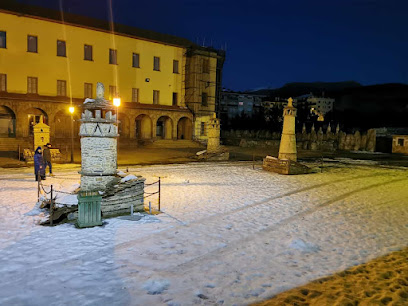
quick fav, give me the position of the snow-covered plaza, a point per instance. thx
(229, 234)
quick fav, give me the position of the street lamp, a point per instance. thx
(116, 102)
(72, 110)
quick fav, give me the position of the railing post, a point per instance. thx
(159, 192)
(39, 182)
(51, 208)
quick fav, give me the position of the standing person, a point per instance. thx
(47, 158)
(39, 167)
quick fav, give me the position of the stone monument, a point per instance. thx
(287, 147)
(99, 134)
(214, 150)
(286, 163)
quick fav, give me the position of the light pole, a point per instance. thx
(116, 102)
(72, 110)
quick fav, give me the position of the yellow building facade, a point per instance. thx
(168, 85)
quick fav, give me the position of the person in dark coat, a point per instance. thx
(39, 168)
(47, 158)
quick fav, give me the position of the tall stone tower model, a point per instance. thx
(99, 134)
(213, 132)
(287, 148)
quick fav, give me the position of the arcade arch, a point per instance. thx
(7, 122)
(185, 128)
(33, 117)
(164, 127)
(143, 126)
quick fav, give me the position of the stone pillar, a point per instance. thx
(371, 140)
(213, 132)
(287, 148)
(154, 128)
(357, 141)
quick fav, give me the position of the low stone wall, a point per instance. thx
(313, 140)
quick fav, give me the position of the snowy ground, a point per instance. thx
(229, 235)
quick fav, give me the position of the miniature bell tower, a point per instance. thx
(99, 133)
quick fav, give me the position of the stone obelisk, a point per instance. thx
(287, 148)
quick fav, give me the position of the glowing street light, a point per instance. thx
(116, 102)
(72, 110)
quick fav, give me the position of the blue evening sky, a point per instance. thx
(270, 43)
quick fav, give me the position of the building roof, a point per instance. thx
(11, 6)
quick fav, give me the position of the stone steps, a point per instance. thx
(11, 144)
(175, 144)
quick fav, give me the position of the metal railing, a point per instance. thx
(158, 192)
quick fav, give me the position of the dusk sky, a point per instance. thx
(270, 43)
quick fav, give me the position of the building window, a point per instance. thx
(87, 52)
(156, 63)
(61, 88)
(401, 142)
(113, 57)
(202, 129)
(3, 82)
(135, 94)
(61, 48)
(88, 90)
(204, 99)
(175, 66)
(32, 44)
(32, 85)
(3, 42)
(175, 98)
(113, 92)
(206, 65)
(135, 60)
(156, 96)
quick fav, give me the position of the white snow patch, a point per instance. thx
(156, 286)
(121, 173)
(303, 246)
(128, 178)
(89, 100)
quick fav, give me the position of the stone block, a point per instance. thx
(284, 166)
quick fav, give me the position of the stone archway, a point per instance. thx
(124, 130)
(62, 125)
(143, 129)
(34, 115)
(7, 122)
(185, 128)
(164, 128)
